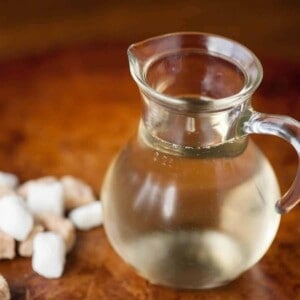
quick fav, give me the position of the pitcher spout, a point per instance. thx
(194, 72)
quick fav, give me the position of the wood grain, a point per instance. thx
(35, 26)
(69, 112)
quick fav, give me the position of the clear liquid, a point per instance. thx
(190, 222)
(186, 258)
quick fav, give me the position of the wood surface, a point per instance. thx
(34, 26)
(69, 112)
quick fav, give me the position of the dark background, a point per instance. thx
(270, 28)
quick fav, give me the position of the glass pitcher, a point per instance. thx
(191, 202)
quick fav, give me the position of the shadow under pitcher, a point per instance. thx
(190, 201)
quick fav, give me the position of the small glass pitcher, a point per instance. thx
(190, 201)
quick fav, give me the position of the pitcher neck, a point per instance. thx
(182, 132)
(196, 87)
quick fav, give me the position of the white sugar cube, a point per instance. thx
(23, 188)
(49, 254)
(8, 180)
(87, 216)
(45, 197)
(15, 219)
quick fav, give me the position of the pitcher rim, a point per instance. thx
(249, 87)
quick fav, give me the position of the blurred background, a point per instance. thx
(71, 55)
(27, 27)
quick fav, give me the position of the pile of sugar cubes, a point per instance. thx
(33, 220)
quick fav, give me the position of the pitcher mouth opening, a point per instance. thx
(194, 72)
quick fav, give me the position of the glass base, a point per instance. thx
(187, 259)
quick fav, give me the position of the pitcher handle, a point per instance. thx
(288, 129)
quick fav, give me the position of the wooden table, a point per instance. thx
(69, 112)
